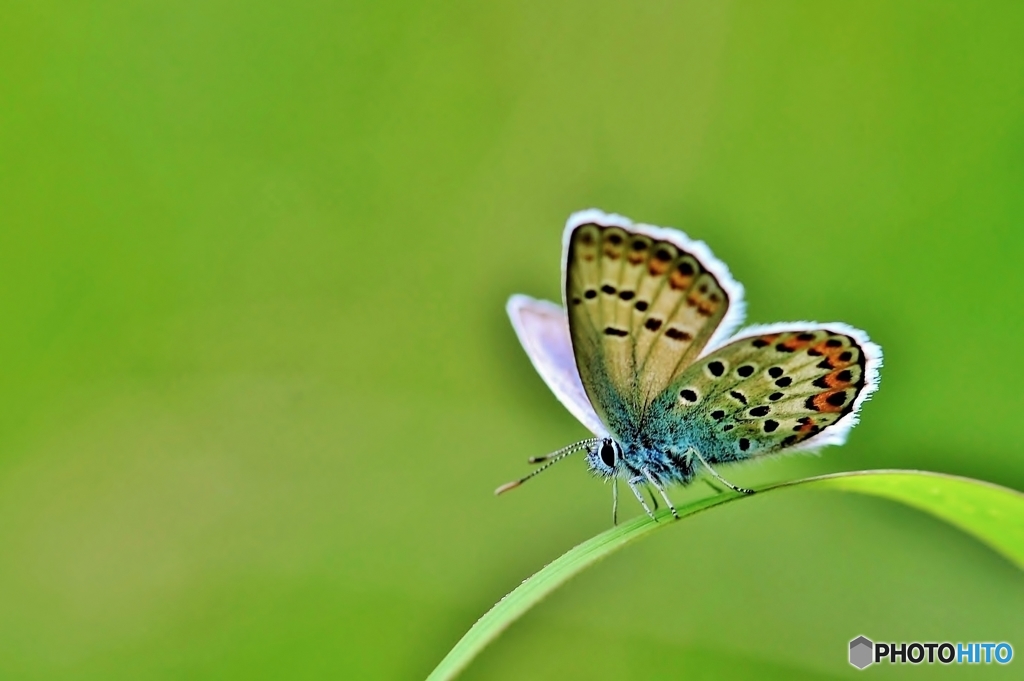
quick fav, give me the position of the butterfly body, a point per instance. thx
(659, 448)
(643, 354)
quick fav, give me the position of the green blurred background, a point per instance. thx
(258, 384)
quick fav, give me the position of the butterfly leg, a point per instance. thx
(654, 499)
(632, 482)
(661, 490)
(615, 500)
(718, 490)
(741, 490)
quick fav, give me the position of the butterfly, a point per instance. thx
(644, 355)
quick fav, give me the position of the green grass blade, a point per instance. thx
(992, 514)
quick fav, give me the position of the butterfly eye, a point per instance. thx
(608, 454)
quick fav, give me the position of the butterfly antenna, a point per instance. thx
(548, 460)
(564, 451)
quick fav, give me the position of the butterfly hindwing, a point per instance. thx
(642, 303)
(777, 388)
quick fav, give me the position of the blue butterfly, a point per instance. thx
(643, 354)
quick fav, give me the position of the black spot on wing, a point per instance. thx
(716, 368)
(837, 399)
(612, 331)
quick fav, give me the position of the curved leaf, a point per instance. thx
(992, 514)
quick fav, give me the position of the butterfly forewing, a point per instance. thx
(543, 329)
(774, 390)
(641, 309)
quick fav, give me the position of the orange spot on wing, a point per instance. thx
(793, 344)
(679, 281)
(832, 356)
(807, 426)
(704, 307)
(822, 404)
(657, 267)
(832, 380)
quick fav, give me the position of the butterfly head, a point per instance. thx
(603, 457)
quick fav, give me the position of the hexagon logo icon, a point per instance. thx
(861, 652)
